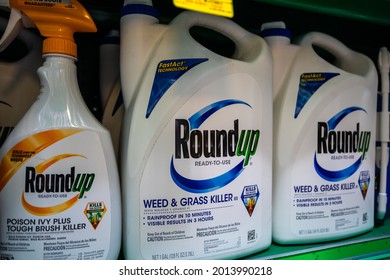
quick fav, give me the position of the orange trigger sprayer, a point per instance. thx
(57, 21)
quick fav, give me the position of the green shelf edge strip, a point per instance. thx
(373, 249)
(374, 244)
(376, 11)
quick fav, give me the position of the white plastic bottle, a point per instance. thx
(59, 189)
(197, 139)
(19, 81)
(110, 87)
(109, 64)
(383, 136)
(324, 139)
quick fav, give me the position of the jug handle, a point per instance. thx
(337, 48)
(32, 41)
(346, 59)
(244, 40)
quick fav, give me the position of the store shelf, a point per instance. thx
(372, 245)
(362, 25)
(376, 11)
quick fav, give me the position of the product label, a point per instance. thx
(309, 83)
(333, 175)
(167, 73)
(220, 8)
(48, 3)
(54, 197)
(205, 189)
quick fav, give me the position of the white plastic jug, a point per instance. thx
(324, 138)
(197, 139)
(19, 81)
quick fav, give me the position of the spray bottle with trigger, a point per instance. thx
(58, 169)
(384, 66)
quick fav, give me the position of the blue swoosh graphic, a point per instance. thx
(199, 117)
(336, 119)
(339, 175)
(206, 185)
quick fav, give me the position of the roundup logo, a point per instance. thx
(55, 185)
(331, 141)
(193, 143)
(40, 183)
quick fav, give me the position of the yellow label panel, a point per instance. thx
(215, 7)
